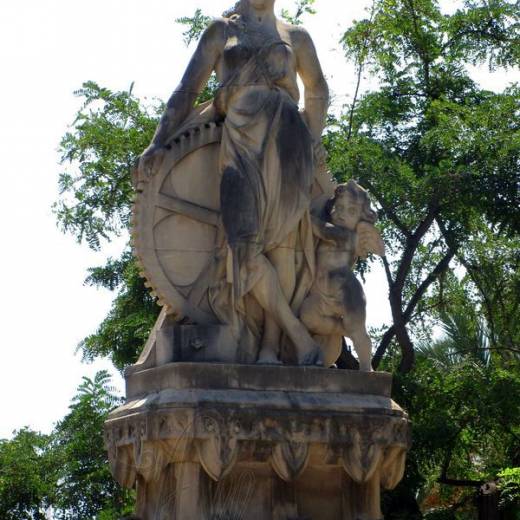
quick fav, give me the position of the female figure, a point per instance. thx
(266, 156)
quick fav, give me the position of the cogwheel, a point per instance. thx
(143, 208)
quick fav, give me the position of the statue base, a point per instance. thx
(215, 441)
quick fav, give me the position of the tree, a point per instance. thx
(125, 330)
(464, 403)
(509, 485)
(439, 154)
(108, 134)
(86, 488)
(27, 476)
(64, 475)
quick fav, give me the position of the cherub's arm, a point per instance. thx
(329, 232)
(368, 240)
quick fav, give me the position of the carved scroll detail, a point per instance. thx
(361, 458)
(393, 466)
(121, 462)
(289, 459)
(219, 450)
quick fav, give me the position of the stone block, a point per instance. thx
(207, 441)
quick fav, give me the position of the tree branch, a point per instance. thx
(423, 54)
(387, 338)
(440, 268)
(361, 66)
(388, 210)
(474, 276)
(411, 246)
(460, 483)
(388, 272)
(389, 335)
(443, 479)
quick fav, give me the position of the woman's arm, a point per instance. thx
(316, 88)
(183, 98)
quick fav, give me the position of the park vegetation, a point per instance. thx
(440, 157)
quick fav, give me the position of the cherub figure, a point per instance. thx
(336, 304)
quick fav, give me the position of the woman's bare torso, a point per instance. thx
(245, 40)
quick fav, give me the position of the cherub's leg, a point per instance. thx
(284, 262)
(355, 329)
(354, 320)
(270, 345)
(363, 347)
(317, 321)
(268, 292)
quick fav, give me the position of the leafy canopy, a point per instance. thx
(66, 473)
(439, 154)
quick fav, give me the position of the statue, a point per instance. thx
(336, 303)
(266, 167)
(231, 410)
(266, 172)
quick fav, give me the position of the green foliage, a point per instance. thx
(439, 154)
(302, 8)
(86, 486)
(67, 471)
(124, 331)
(27, 476)
(109, 132)
(509, 485)
(195, 26)
(464, 409)
(485, 31)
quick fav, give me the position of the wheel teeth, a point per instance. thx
(196, 136)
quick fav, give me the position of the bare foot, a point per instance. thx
(313, 357)
(268, 356)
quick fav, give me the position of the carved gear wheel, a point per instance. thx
(177, 232)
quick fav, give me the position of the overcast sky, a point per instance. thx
(47, 50)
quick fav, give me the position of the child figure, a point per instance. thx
(336, 304)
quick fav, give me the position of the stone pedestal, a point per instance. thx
(215, 441)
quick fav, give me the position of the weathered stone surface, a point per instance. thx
(249, 247)
(183, 376)
(222, 213)
(335, 305)
(248, 432)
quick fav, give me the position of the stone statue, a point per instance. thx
(336, 303)
(266, 167)
(249, 247)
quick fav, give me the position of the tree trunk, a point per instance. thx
(346, 360)
(487, 502)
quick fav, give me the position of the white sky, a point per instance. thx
(47, 50)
